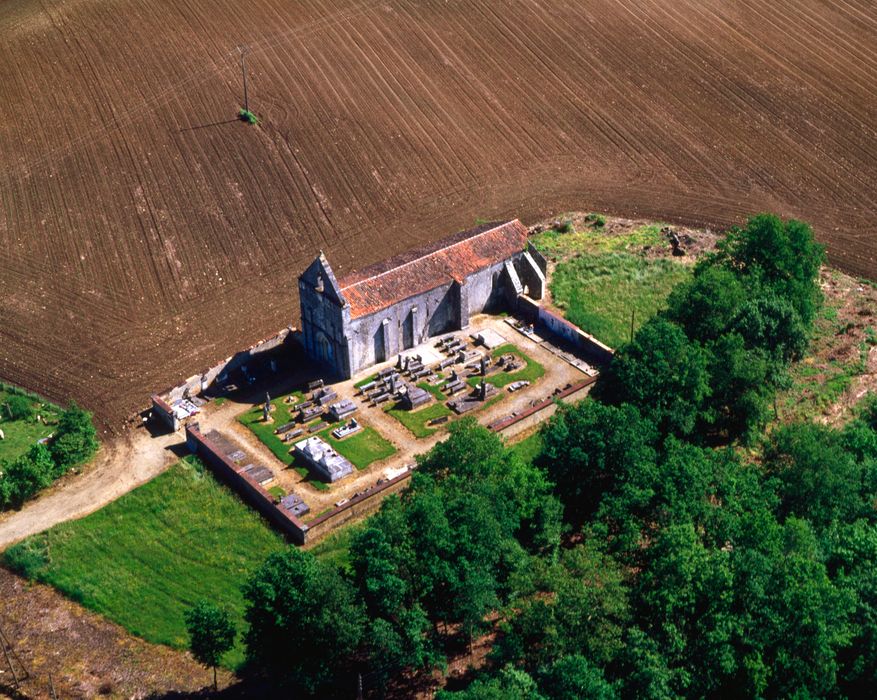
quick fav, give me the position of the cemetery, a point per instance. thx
(325, 420)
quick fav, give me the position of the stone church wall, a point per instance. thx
(437, 311)
(322, 322)
(485, 289)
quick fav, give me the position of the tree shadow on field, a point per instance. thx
(207, 126)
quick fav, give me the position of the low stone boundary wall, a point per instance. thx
(503, 423)
(539, 316)
(251, 491)
(363, 504)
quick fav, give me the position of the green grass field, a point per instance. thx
(145, 558)
(601, 278)
(20, 435)
(554, 244)
(598, 293)
(820, 380)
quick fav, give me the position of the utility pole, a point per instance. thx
(632, 317)
(244, 50)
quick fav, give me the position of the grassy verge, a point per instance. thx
(362, 382)
(20, 435)
(307, 477)
(416, 421)
(145, 558)
(528, 448)
(361, 449)
(599, 292)
(335, 548)
(833, 363)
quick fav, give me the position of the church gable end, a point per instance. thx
(320, 278)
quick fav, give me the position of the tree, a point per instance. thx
(25, 476)
(475, 458)
(382, 558)
(574, 677)
(817, 478)
(741, 389)
(304, 621)
(18, 407)
(509, 684)
(581, 609)
(644, 671)
(791, 619)
(588, 447)
(75, 439)
(781, 255)
(852, 558)
(662, 373)
(684, 600)
(401, 642)
(770, 324)
(707, 304)
(211, 634)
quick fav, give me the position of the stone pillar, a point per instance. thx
(415, 336)
(463, 304)
(385, 325)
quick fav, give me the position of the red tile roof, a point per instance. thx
(453, 258)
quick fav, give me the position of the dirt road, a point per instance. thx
(121, 465)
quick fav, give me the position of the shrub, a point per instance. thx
(75, 440)
(27, 558)
(18, 407)
(247, 116)
(564, 226)
(596, 220)
(24, 476)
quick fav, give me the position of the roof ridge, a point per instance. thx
(427, 255)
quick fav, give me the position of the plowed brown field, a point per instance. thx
(145, 233)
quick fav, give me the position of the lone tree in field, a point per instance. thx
(211, 634)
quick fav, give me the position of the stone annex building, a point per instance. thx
(372, 314)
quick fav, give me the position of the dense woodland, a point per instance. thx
(663, 544)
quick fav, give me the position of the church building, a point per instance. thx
(370, 315)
